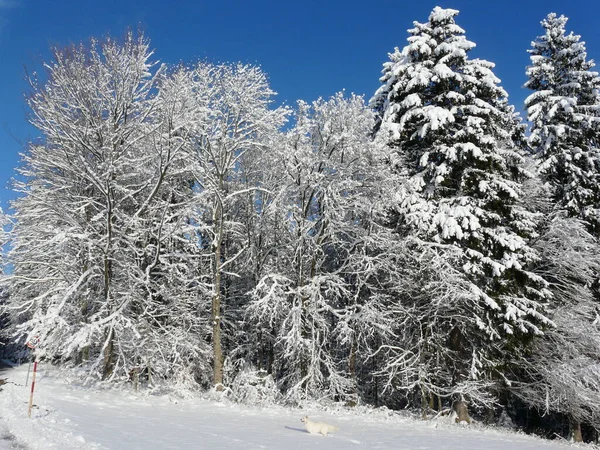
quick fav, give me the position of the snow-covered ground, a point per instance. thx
(69, 416)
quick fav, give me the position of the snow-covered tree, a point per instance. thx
(559, 374)
(564, 368)
(450, 131)
(4, 224)
(4, 323)
(305, 301)
(564, 111)
(233, 125)
(98, 211)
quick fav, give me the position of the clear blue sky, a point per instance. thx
(308, 48)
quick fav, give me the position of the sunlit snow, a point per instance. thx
(69, 416)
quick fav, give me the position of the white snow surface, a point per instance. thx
(70, 416)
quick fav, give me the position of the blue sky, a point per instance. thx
(308, 48)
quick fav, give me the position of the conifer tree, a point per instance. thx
(562, 375)
(564, 111)
(450, 131)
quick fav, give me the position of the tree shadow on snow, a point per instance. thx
(302, 430)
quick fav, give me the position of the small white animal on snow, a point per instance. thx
(318, 427)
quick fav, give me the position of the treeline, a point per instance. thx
(422, 251)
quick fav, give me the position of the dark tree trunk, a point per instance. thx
(109, 364)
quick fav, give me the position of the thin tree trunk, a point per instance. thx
(352, 372)
(216, 297)
(108, 365)
(374, 369)
(353, 401)
(305, 336)
(260, 351)
(303, 315)
(216, 321)
(271, 358)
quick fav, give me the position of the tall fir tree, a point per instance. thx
(564, 111)
(451, 134)
(562, 375)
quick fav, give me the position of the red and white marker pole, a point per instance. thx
(32, 388)
(31, 344)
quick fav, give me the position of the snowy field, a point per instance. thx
(74, 417)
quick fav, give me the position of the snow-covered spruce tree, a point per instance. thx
(97, 214)
(233, 125)
(564, 111)
(305, 301)
(449, 128)
(560, 373)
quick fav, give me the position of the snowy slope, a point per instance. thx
(74, 417)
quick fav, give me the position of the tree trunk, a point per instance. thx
(303, 315)
(216, 329)
(462, 411)
(352, 362)
(108, 356)
(456, 344)
(431, 401)
(217, 350)
(576, 431)
(108, 365)
(374, 370)
(424, 404)
(271, 359)
(83, 356)
(352, 372)
(216, 297)
(260, 357)
(490, 416)
(306, 337)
